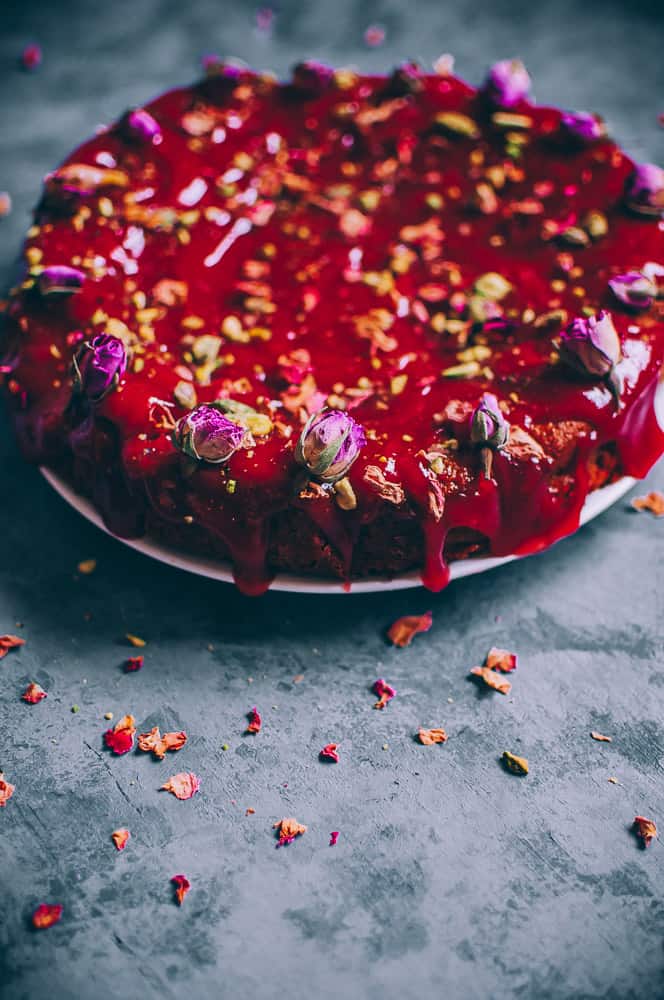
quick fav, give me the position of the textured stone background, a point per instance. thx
(450, 878)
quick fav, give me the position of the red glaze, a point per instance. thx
(298, 214)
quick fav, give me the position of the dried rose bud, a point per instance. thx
(644, 190)
(592, 346)
(634, 289)
(488, 426)
(508, 83)
(207, 435)
(312, 78)
(583, 127)
(60, 280)
(99, 366)
(329, 444)
(142, 125)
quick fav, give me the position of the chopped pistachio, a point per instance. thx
(469, 369)
(185, 395)
(492, 286)
(345, 495)
(511, 120)
(575, 236)
(596, 225)
(206, 348)
(457, 124)
(398, 384)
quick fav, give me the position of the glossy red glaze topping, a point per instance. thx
(326, 241)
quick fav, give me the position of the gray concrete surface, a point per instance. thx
(451, 878)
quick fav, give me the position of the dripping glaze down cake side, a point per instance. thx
(343, 325)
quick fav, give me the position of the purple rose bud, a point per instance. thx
(508, 83)
(312, 78)
(329, 444)
(592, 346)
(488, 426)
(583, 127)
(60, 280)
(99, 366)
(207, 435)
(142, 125)
(644, 190)
(634, 289)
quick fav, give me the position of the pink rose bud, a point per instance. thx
(634, 289)
(508, 83)
(207, 435)
(329, 444)
(142, 125)
(60, 280)
(592, 346)
(583, 127)
(644, 190)
(488, 426)
(99, 366)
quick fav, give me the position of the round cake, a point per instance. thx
(343, 325)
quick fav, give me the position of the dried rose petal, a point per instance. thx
(182, 887)
(384, 691)
(500, 659)
(120, 838)
(182, 786)
(645, 829)
(583, 127)
(600, 737)
(634, 289)
(33, 693)
(46, 915)
(403, 630)
(142, 125)
(154, 742)
(374, 35)
(430, 736)
(514, 764)
(133, 663)
(334, 836)
(653, 502)
(288, 830)
(31, 56)
(329, 752)
(8, 642)
(6, 790)
(255, 721)
(492, 679)
(5, 204)
(508, 83)
(120, 739)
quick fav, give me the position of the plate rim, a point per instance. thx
(596, 503)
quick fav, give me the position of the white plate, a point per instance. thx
(216, 570)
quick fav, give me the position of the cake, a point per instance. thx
(343, 325)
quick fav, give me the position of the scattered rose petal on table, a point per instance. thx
(31, 56)
(430, 736)
(645, 829)
(5, 204)
(8, 642)
(288, 830)
(135, 640)
(600, 737)
(334, 836)
(33, 693)
(154, 742)
(182, 886)
(120, 739)
(384, 691)
(492, 679)
(183, 785)
(6, 790)
(402, 631)
(132, 664)
(46, 915)
(87, 566)
(255, 722)
(652, 502)
(120, 838)
(500, 659)
(329, 753)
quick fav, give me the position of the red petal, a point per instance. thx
(46, 915)
(120, 838)
(182, 887)
(402, 631)
(33, 693)
(183, 785)
(255, 721)
(8, 642)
